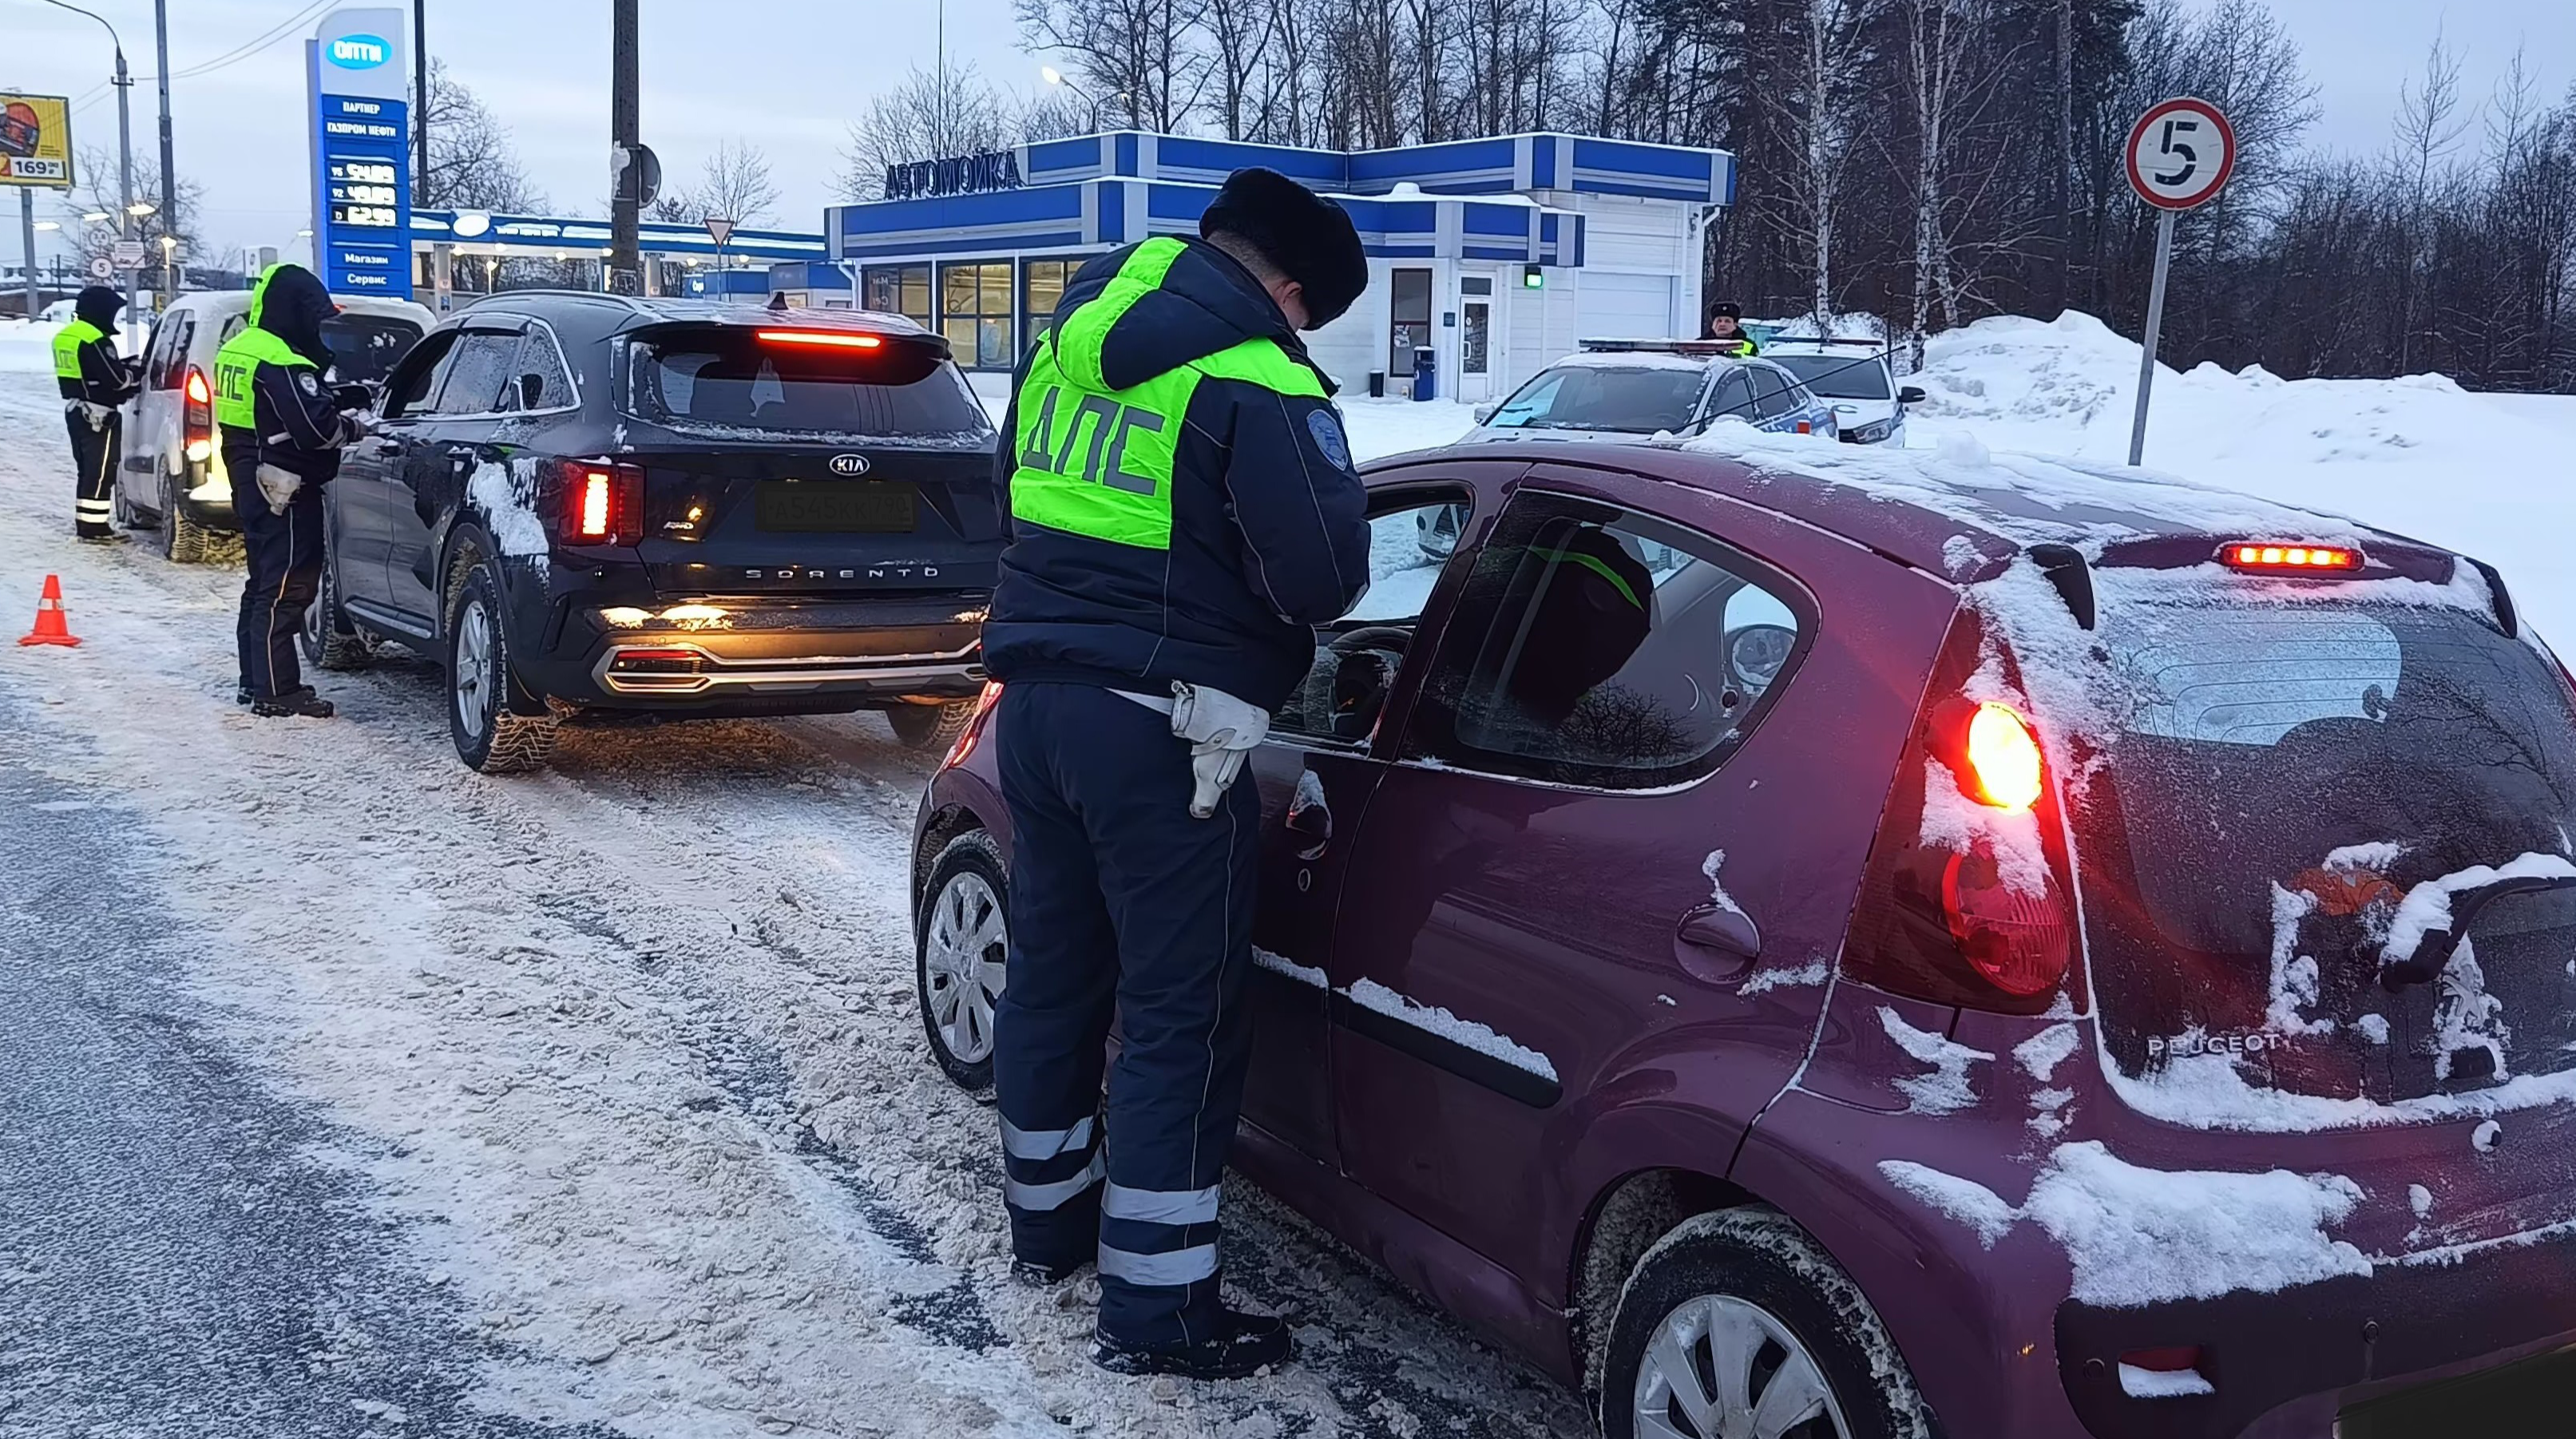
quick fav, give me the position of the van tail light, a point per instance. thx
(196, 417)
(973, 734)
(602, 503)
(1965, 901)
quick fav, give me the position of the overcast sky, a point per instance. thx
(787, 76)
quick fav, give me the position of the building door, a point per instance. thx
(1475, 350)
(1408, 325)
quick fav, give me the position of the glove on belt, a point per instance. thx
(279, 485)
(96, 415)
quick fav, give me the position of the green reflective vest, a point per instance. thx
(240, 357)
(1097, 462)
(67, 347)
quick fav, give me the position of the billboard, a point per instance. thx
(357, 74)
(35, 141)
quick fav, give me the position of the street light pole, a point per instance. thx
(1054, 76)
(27, 230)
(169, 172)
(625, 246)
(419, 97)
(124, 150)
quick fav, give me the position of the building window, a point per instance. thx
(975, 313)
(898, 290)
(1408, 318)
(1042, 285)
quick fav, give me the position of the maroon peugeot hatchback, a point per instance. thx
(1811, 943)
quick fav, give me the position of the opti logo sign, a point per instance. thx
(359, 52)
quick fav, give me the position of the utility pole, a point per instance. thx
(169, 172)
(625, 258)
(419, 97)
(27, 230)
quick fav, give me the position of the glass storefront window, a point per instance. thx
(975, 313)
(1042, 285)
(898, 290)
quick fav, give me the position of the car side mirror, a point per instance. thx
(1910, 395)
(532, 388)
(1486, 412)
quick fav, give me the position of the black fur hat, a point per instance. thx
(1311, 239)
(98, 304)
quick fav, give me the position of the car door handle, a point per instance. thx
(1311, 820)
(1721, 928)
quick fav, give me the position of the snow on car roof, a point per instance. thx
(1634, 360)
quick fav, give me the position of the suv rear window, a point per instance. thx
(726, 378)
(365, 347)
(1637, 401)
(2281, 777)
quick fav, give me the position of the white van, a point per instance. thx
(174, 473)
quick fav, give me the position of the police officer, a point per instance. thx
(1726, 325)
(1183, 511)
(94, 383)
(282, 430)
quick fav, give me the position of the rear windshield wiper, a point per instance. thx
(2433, 951)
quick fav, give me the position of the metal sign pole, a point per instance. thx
(27, 229)
(2155, 327)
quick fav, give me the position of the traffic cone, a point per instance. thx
(50, 629)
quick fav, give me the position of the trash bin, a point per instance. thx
(1425, 371)
(1377, 384)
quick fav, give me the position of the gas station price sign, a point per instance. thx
(355, 72)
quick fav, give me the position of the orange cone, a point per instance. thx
(50, 629)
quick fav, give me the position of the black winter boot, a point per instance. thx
(302, 703)
(1250, 1343)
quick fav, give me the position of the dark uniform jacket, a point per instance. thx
(1269, 535)
(298, 428)
(103, 379)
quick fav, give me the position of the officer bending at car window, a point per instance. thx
(1184, 512)
(94, 383)
(282, 430)
(1726, 323)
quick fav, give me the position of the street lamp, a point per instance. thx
(124, 146)
(141, 208)
(1054, 76)
(97, 217)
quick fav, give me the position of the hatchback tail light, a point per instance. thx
(602, 503)
(1965, 901)
(973, 734)
(196, 417)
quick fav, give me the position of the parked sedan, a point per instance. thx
(668, 509)
(1856, 378)
(1852, 947)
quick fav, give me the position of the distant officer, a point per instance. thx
(282, 433)
(1183, 511)
(1726, 323)
(94, 383)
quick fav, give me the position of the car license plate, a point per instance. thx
(871, 507)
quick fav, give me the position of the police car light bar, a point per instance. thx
(1666, 347)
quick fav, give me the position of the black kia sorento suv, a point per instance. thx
(589, 504)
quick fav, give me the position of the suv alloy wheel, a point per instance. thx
(486, 715)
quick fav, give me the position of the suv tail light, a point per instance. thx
(196, 417)
(602, 503)
(973, 734)
(1966, 901)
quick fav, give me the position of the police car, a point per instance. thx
(1616, 389)
(1855, 378)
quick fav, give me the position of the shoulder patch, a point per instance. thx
(311, 385)
(1326, 428)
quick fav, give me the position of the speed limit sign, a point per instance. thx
(2180, 154)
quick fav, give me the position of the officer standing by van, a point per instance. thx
(282, 431)
(1183, 512)
(94, 382)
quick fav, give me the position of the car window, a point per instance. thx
(1598, 646)
(1412, 534)
(1772, 396)
(417, 378)
(169, 353)
(1640, 400)
(1841, 377)
(367, 347)
(1734, 396)
(478, 372)
(734, 380)
(233, 325)
(541, 383)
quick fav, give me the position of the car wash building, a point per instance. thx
(1496, 255)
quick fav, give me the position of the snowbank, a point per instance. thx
(27, 348)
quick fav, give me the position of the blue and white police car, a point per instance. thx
(1854, 377)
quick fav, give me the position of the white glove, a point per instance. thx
(279, 486)
(359, 423)
(1221, 730)
(95, 414)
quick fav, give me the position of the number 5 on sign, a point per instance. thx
(2180, 155)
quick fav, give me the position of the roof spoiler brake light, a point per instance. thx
(2284, 558)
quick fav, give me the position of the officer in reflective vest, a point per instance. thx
(94, 382)
(281, 430)
(1183, 513)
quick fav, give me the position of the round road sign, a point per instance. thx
(101, 269)
(2181, 154)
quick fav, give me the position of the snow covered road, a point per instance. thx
(593, 1101)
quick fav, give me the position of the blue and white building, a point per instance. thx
(1498, 254)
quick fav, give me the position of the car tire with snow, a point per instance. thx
(926, 727)
(498, 725)
(962, 940)
(328, 640)
(1745, 1298)
(184, 541)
